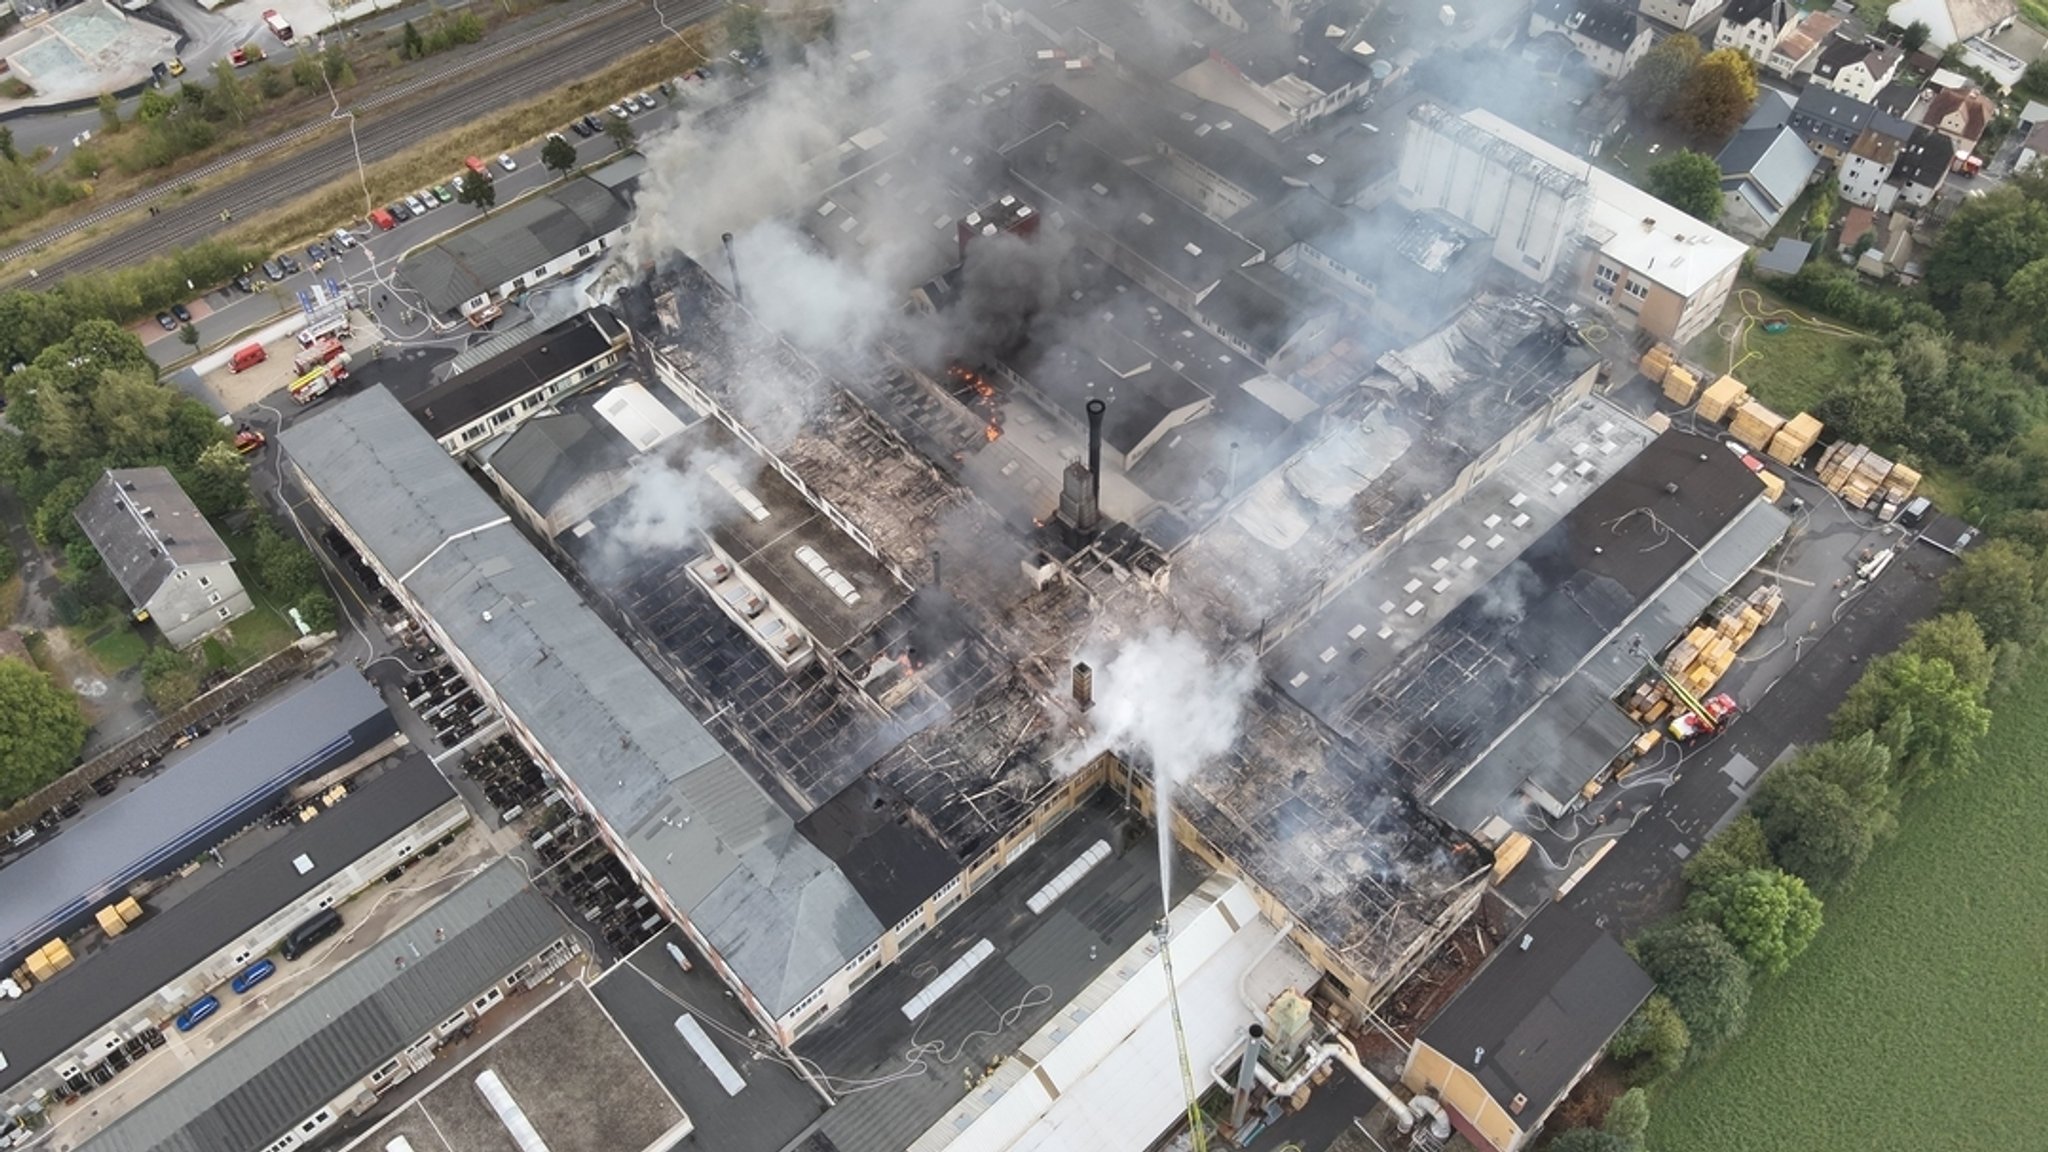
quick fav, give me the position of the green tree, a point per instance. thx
(1735, 849)
(558, 154)
(1822, 813)
(229, 98)
(743, 28)
(621, 130)
(1655, 82)
(1703, 976)
(1989, 239)
(1914, 36)
(1653, 1043)
(219, 480)
(1689, 182)
(1996, 584)
(169, 678)
(154, 106)
(1588, 1140)
(1717, 94)
(1867, 405)
(306, 71)
(415, 45)
(1956, 638)
(188, 335)
(110, 113)
(1919, 707)
(7, 151)
(478, 192)
(283, 565)
(317, 610)
(1629, 1116)
(41, 730)
(1769, 915)
(334, 65)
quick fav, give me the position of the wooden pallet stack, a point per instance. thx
(1794, 440)
(1900, 485)
(1658, 361)
(1755, 425)
(1705, 654)
(1722, 397)
(1680, 385)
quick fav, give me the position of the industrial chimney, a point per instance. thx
(1095, 410)
(1247, 1077)
(1084, 686)
(732, 262)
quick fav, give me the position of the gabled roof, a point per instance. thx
(145, 528)
(1808, 35)
(1924, 161)
(1609, 24)
(1772, 109)
(307, 1051)
(1740, 12)
(1774, 162)
(1826, 116)
(1842, 52)
(1976, 111)
(515, 363)
(1877, 147)
(1533, 1017)
(783, 916)
(512, 242)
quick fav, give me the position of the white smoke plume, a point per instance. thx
(1163, 700)
(673, 502)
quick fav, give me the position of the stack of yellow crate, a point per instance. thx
(1680, 386)
(1794, 440)
(1706, 653)
(1722, 397)
(1899, 486)
(1657, 361)
(1754, 425)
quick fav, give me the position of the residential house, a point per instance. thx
(1897, 97)
(2032, 115)
(489, 389)
(1753, 27)
(1533, 1021)
(1867, 165)
(2034, 148)
(1918, 174)
(1773, 109)
(1606, 33)
(1828, 121)
(162, 552)
(1856, 68)
(1285, 77)
(2004, 68)
(1681, 15)
(1953, 21)
(1961, 114)
(1798, 50)
(1763, 171)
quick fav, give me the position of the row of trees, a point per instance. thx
(1706, 94)
(444, 32)
(169, 125)
(1754, 891)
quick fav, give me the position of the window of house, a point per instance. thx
(221, 612)
(181, 574)
(1638, 289)
(1605, 275)
(213, 597)
(206, 581)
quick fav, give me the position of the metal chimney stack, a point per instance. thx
(1095, 410)
(732, 262)
(1084, 686)
(1247, 1077)
(936, 581)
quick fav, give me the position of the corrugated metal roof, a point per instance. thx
(783, 916)
(178, 812)
(121, 980)
(306, 1053)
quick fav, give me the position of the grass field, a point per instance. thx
(1925, 987)
(119, 647)
(1789, 371)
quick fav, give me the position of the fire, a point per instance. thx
(992, 432)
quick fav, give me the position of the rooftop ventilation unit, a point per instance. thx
(955, 972)
(1068, 877)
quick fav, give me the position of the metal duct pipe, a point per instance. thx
(936, 581)
(1095, 410)
(1439, 1120)
(1247, 1076)
(1340, 1050)
(732, 262)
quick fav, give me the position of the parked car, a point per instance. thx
(183, 313)
(343, 238)
(590, 121)
(176, 67)
(427, 199)
(506, 162)
(399, 210)
(442, 194)
(200, 1010)
(273, 270)
(647, 102)
(413, 205)
(289, 262)
(617, 111)
(165, 322)
(253, 975)
(243, 282)
(316, 252)
(580, 129)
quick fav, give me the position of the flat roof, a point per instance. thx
(989, 1013)
(604, 1100)
(782, 915)
(120, 978)
(201, 791)
(304, 1053)
(1534, 1017)
(452, 402)
(873, 833)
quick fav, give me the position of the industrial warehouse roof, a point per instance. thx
(120, 978)
(531, 359)
(145, 528)
(783, 917)
(1532, 1018)
(285, 1069)
(520, 238)
(201, 790)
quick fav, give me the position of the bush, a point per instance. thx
(169, 678)
(1824, 287)
(1704, 977)
(41, 730)
(1653, 1044)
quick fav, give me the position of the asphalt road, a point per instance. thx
(500, 75)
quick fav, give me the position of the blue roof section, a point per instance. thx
(201, 792)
